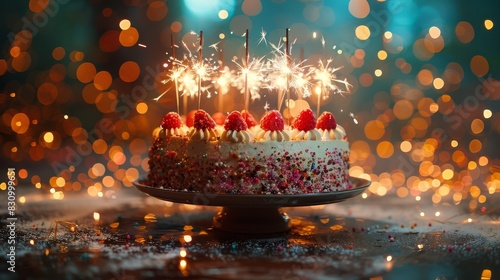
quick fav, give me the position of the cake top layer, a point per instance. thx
(242, 127)
(326, 121)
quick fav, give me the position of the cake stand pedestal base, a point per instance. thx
(250, 220)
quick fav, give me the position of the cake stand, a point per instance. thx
(253, 214)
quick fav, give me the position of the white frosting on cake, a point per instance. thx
(173, 132)
(312, 135)
(253, 167)
(276, 135)
(225, 150)
(333, 134)
(237, 136)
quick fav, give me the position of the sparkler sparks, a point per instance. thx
(189, 74)
(262, 37)
(278, 72)
(224, 80)
(353, 118)
(215, 46)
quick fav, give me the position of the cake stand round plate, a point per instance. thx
(253, 213)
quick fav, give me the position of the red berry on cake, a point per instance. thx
(235, 121)
(305, 121)
(219, 118)
(171, 120)
(190, 118)
(202, 120)
(249, 119)
(326, 121)
(272, 121)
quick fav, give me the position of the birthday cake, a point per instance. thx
(243, 157)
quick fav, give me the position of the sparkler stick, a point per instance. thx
(319, 92)
(281, 93)
(200, 56)
(221, 67)
(246, 96)
(288, 67)
(299, 91)
(185, 104)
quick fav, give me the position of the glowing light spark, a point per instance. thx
(266, 106)
(97, 216)
(284, 74)
(186, 47)
(353, 118)
(162, 94)
(323, 42)
(186, 72)
(142, 45)
(262, 37)
(325, 75)
(215, 46)
(255, 74)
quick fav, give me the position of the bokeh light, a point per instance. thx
(488, 24)
(363, 32)
(125, 24)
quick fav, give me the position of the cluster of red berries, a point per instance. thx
(271, 121)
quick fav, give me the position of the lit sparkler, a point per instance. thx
(284, 73)
(215, 46)
(255, 74)
(175, 73)
(262, 37)
(326, 81)
(250, 76)
(200, 69)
